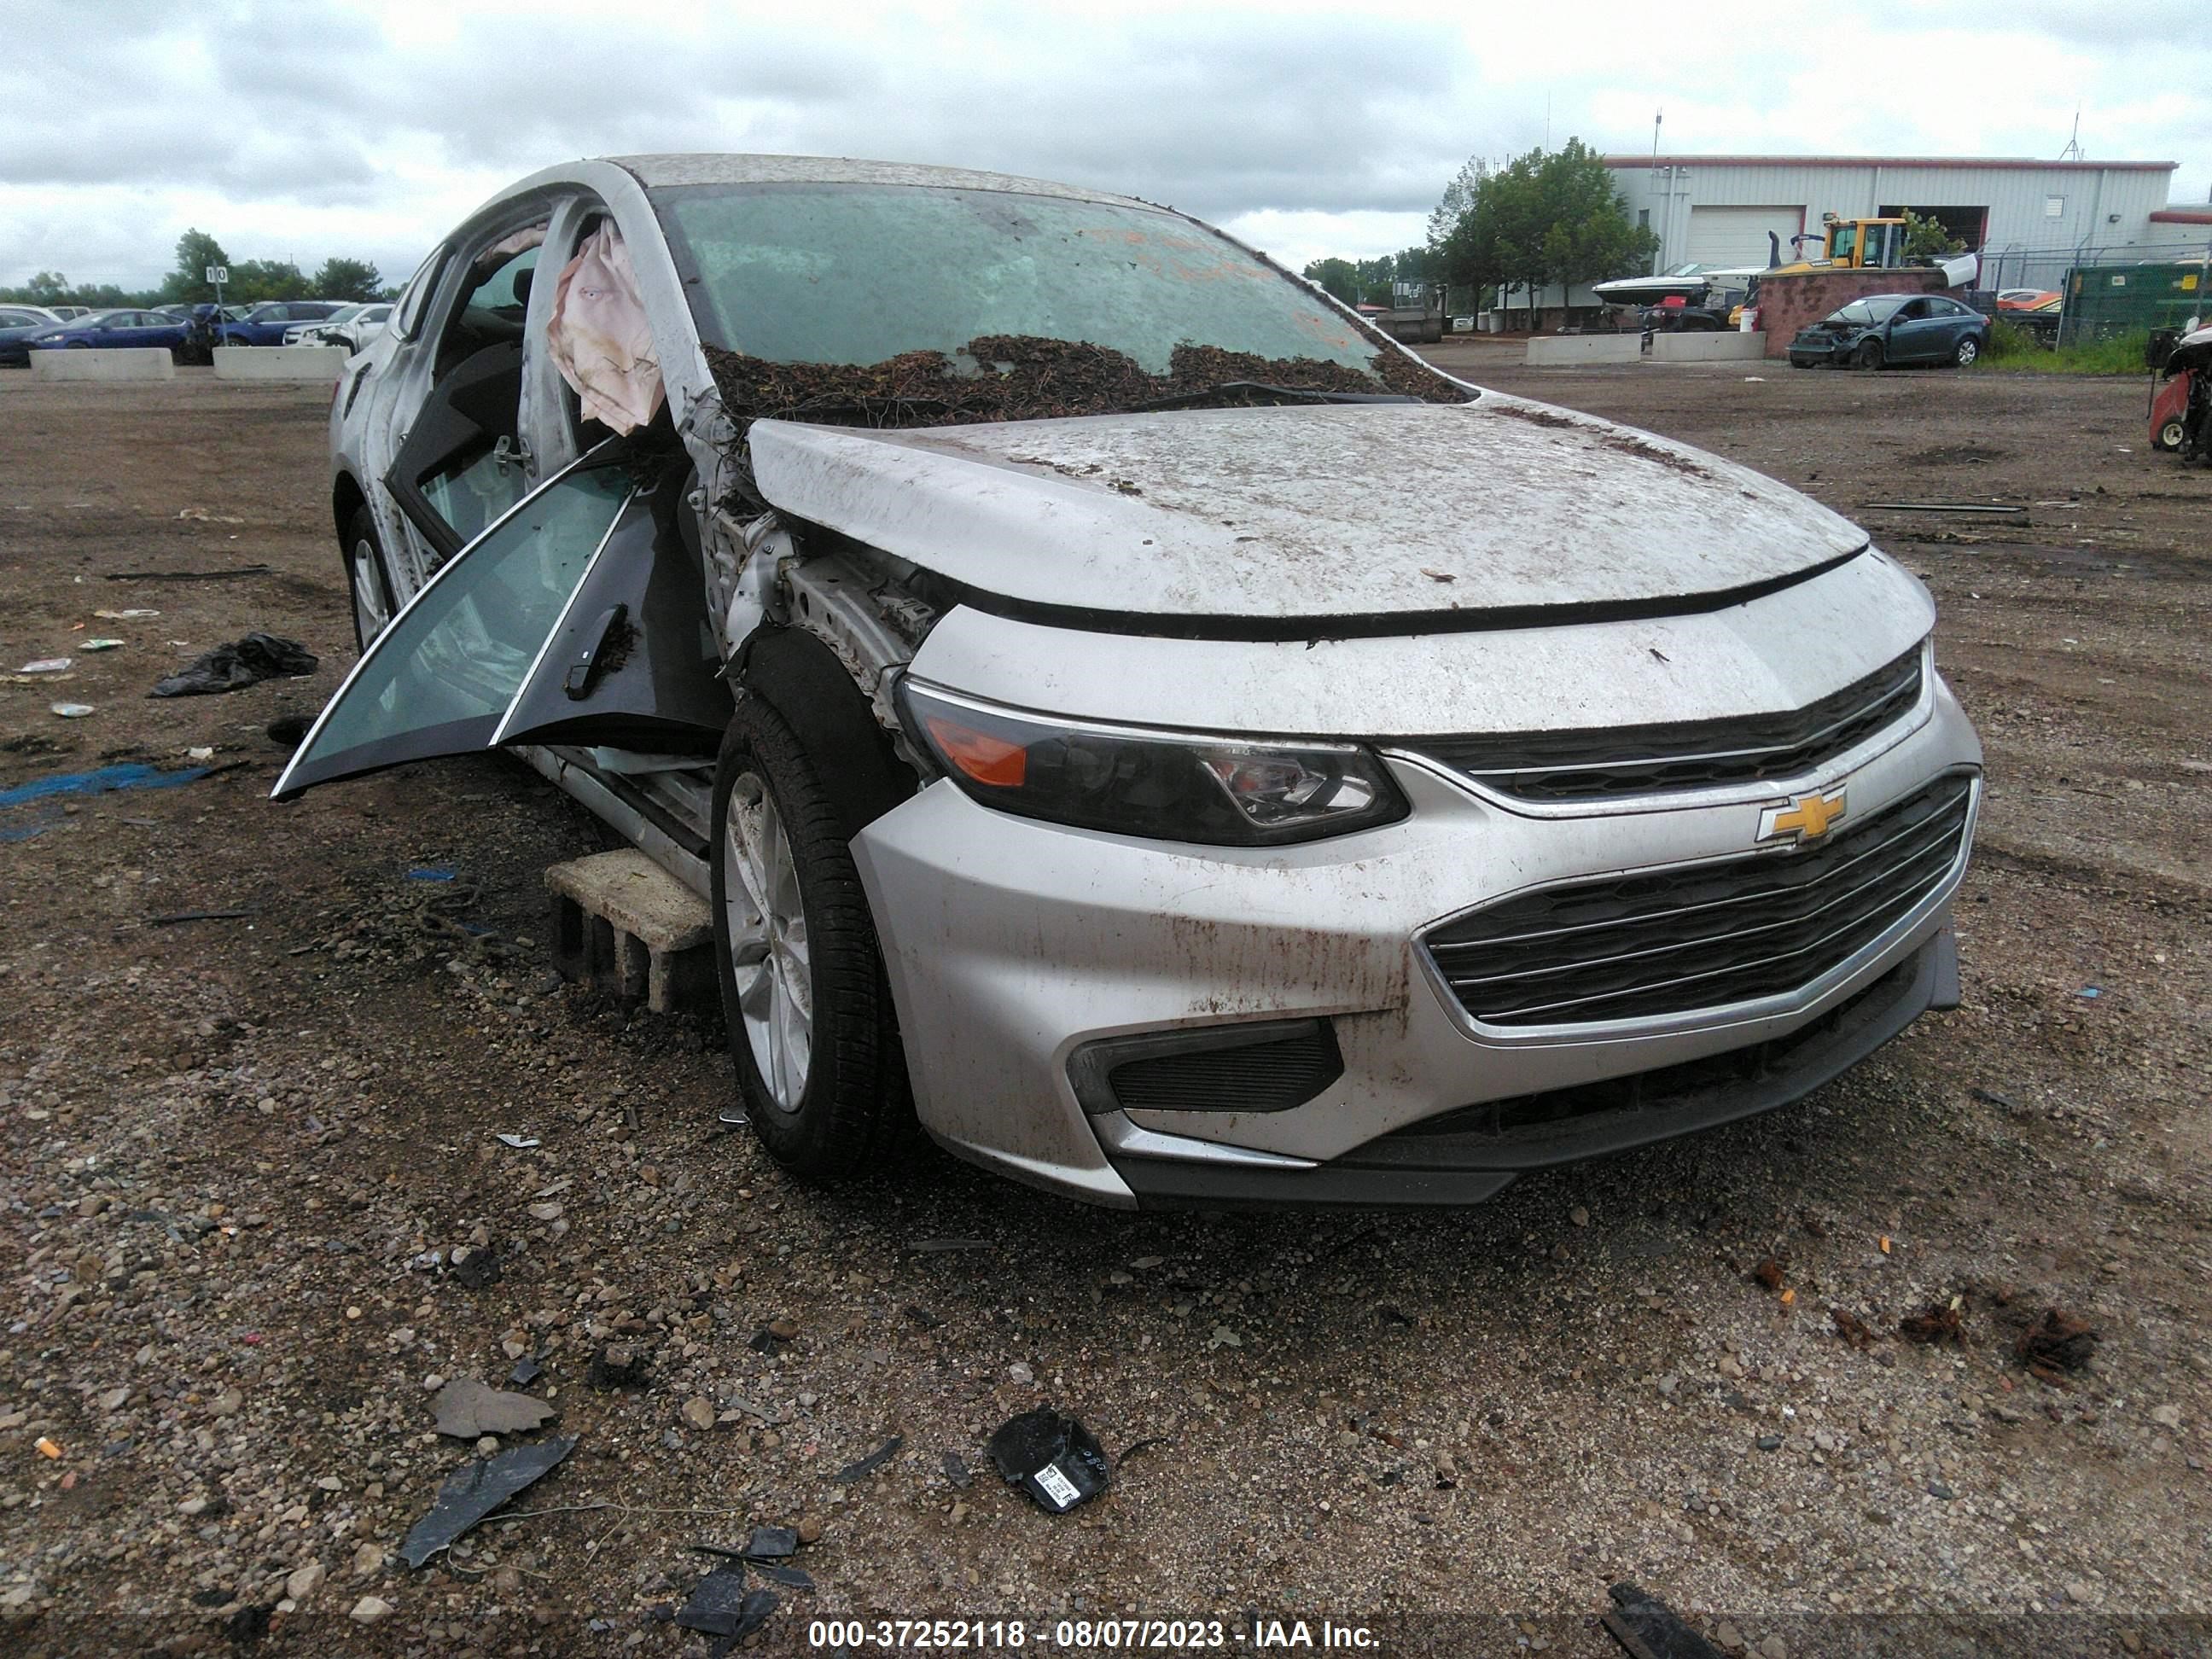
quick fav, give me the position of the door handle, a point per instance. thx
(585, 669)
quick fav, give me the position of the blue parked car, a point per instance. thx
(17, 324)
(116, 328)
(265, 324)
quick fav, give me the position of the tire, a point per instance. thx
(1868, 356)
(2169, 435)
(1969, 349)
(368, 580)
(811, 1028)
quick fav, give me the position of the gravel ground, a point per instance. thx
(252, 1213)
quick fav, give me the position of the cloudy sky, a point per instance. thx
(308, 128)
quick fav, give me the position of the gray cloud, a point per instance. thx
(310, 108)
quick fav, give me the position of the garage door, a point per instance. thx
(1737, 235)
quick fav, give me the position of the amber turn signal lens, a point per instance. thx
(982, 757)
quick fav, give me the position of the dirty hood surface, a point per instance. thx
(1321, 512)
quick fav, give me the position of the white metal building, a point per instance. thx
(2030, 220)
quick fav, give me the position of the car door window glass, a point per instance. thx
(437, 681)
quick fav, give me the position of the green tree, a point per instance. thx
(254, 280)
(1546, 217)
(186, 282)
(1924, 235)
(1338, 276)
(347, 279)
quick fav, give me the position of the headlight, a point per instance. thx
(1223, 791)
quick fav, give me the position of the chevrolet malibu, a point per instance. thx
(1124, 713)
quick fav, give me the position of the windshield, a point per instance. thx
(905, 289)
(1865, 314)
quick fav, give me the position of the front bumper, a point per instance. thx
(1015, 948)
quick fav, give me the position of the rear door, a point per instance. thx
(440, 678)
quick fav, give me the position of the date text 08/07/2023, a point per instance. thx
(1126, 1635)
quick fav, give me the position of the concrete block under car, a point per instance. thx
(109, 363)
(624, 925)
(308, 363)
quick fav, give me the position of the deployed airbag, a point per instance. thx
(599, 336)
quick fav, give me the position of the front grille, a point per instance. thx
(1674, 941)
(1604, 763)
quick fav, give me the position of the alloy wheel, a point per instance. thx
(767, 929)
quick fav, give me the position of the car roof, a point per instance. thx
(661, 172)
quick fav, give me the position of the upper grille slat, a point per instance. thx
(1604, 764)
(1671, 942)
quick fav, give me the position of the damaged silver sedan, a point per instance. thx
(1124, 713)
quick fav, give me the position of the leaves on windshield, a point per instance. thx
(1002, 377)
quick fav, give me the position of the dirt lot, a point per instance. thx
(241, 1153)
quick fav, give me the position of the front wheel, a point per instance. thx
(1969, 349)
(1868, 356)
(367, 579)
(811, 1029)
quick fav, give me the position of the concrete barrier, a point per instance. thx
(1584, 347)
(1707, 347)
(103, 363)
(279, 362)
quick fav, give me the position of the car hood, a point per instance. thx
(1311, 512)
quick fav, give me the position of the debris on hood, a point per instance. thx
(467, 1409)
(2057, 1341)
(599, 338)
(476, 1489)
(232, 667)
(868, 1465)
(1649, 1629)
(1017, 377)
(1052, 1457)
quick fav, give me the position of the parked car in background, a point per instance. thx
(1075, 750)
(1880, 329)
(17, 324)
(263, 324)
(2026, 298)
(68, 312)
(351, 328)
(118, 328)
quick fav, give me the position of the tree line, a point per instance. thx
(250, 281)
(1550, 218)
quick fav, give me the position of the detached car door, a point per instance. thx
(578, 617)
(440, 678)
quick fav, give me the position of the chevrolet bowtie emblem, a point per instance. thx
(1807, 817)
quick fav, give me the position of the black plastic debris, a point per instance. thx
(618, 1365)
(1649, 1629)
(527, 1370)
(476, 1489)
(922, 1317)
(868, 1465)
(722, 1606)
(774, 1337)
(790, 1578)
(476, 1270)
(235, 666)
(249, 1623)
(771, 1544)
(956, 1469)
(1053, 1458)
(289, 730)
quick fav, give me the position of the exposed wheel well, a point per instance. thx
(346, 500)
(801, 678)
